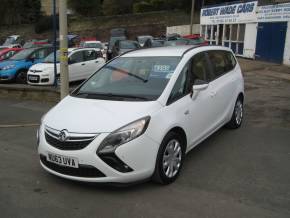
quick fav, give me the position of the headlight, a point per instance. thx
(8, 67)
(123, 135)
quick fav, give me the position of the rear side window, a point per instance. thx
(222, 62)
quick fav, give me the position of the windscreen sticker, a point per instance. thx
(161, 71)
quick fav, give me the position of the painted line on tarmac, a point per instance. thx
(19, 125)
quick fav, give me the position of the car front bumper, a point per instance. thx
(41, 78)
(139, 154)
(6, 75)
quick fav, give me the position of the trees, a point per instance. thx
(114, 7)
(87, 7)
(19, 11)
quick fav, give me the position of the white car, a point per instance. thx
(139, 115)
(82, 64)
(94, 44)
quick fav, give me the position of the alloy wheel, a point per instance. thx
(172, 158)
(239, 112)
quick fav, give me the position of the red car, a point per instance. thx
(8, 53)
(198, 38)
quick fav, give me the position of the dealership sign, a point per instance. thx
(231, 13)
(272, 13)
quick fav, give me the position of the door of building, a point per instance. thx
(271, 41)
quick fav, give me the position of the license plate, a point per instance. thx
(63, 160)
(33, 78)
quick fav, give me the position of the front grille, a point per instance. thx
(73, 141)
(85, 171)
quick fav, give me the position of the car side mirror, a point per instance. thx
(198, 86)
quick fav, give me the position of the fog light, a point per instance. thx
(113, 161)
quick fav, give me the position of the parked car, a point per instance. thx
(8, 53)
(197, 39)
(111, 45)
(94, 44)
(116, 34)
(153, 43)
(73, 41)
(139, 115)
(142, 39)
(122, 46)
(15, 68)
(10, 46)
(36, 43)
(172, 36)
(185, 41)
(14, 39)
(179, 41)
(83, 62)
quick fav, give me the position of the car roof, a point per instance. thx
(78, 49)
(171, 51)
(92, 41)
(160, 51)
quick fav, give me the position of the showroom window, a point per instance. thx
(229, 35)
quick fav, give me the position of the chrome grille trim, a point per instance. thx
(72, 137)
(71, 141)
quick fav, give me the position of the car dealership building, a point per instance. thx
(250, 29)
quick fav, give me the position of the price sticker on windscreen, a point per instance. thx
(161, 71)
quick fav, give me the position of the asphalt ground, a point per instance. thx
(234, 173)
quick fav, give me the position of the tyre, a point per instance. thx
(237, 116)
(169, 159)
(21, 77)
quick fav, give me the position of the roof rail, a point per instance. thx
(193, 47)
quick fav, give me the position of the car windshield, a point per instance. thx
(127, 45)
(9, 41)
(22, 54)
(130, 78)
(29, 45)
(93, 45)
(50, 58)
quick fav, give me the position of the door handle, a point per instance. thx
(83, 64)
(186, 112)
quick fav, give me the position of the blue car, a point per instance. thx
(15, 68)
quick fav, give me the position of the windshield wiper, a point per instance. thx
(127, 73)
(109, 95)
